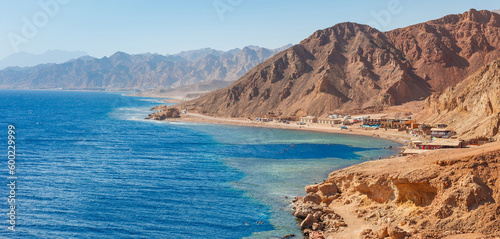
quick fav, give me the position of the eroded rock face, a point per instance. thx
(433, 197)
(471, 108)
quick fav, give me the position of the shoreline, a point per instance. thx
(350, 203)
(391, 135)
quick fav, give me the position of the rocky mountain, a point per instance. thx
(23, 59)
(195, 55)
(351, 67)
(472, 107)
(143, 71)
(445, 51)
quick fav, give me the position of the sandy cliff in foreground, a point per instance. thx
(445, 194)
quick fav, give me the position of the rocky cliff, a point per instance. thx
(351, 67)
(143, 71)
(472, 107)
(427, 196)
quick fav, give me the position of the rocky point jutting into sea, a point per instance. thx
(449, 65)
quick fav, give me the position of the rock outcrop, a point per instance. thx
(428, 196)
(351, 67)
(472, 107)
(165, 113)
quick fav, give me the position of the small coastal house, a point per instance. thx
(388, 123)
(442, 133)
(367, 122)
(329, 121)
(308, 119)
(441, 144)
(403, 124)
(422, 129)
(478, 141)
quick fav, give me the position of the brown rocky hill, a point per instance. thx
(351, 67)
(472, 107)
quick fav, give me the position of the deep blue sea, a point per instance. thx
(90, 166)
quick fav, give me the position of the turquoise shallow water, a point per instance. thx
(89, 166)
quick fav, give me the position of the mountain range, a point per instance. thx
(23, 59)
(351, 68)
(122, 71)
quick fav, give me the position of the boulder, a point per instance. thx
(313, 197)
(303, 209)
(382, 232)
(316, 235)
(397, 233)
(312, 188)
(328, 189)
(308, 222)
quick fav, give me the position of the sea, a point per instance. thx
(88, 165)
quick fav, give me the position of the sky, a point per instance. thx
(103, 27)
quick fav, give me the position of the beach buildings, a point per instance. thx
(329, 121)
(368, 122)
(308, 119)
(439, 144)
(390, 123)
(400, 124)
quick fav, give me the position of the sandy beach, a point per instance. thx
(394, 135)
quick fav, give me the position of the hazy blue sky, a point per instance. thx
(102, 27)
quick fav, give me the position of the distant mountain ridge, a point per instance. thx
(195, 55)
(351, 68)
(142, 71)
(23, 59)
